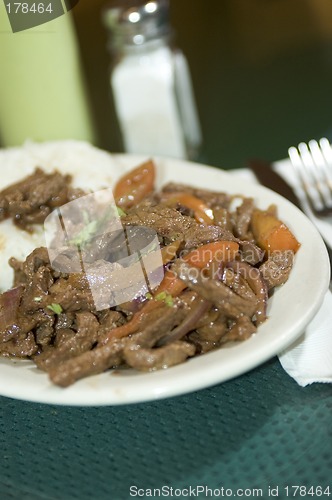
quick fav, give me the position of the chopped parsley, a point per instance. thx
(85, 234)
(121, 212)
(161, 297)
(165, 297)
(56, 308)
(91, 226)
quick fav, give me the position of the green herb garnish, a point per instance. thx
(90, 229)
(56, 308)
(121, 212)
(92, 226)
(165, 297)
(85, 234)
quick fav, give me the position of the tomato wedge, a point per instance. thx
(203, 214)
(135, 185)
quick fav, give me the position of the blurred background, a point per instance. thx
(261, 72)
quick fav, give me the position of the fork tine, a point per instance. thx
(326, 149)
(315, 191)
(303, 165)
(321, 173)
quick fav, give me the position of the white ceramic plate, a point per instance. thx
(290, 310)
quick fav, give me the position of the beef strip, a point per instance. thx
(166, 221)
(71, 297)
(65, 320)
(250, 252)
(30, 201)
(208, 336)
(26, 270)
(109, 320)
(146, 359)
(89, 363)
(44, 332)
(83, 340)
(172, 225)
(200, 235)
(112, 354)
(15, 330)
(211, 198)
(215, 291)
(243, 217)
(139, 351)
(213, 332)
(36, 290)
(242, 329)
(23, 325)
(238, 284)
(277, 268)
(222, 218)
(22, 346)
(62, 336)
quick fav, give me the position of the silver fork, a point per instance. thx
(312, 164)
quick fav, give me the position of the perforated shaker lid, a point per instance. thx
(134, 22)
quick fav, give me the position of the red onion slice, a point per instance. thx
(257, 283)
(9, 303)
(199, 307)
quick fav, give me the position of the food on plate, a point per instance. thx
(30, 200)
(272, 234)
(221, 258)
(135, 185)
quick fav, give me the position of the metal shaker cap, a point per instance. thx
(134, 22)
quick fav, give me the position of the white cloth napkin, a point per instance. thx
(309, 359)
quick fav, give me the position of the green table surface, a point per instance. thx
(257, 433)
(253, 433)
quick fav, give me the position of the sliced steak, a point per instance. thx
(251, 253)
(242, 329)
(89, 363)
(243, 217)
(139, 351)
(149, 359)
(166, 221)
(277, 268)
(30, 201)
(215, 291)
(200, 235)
(169, 223)
(22, 346)
(83, 340)
(211, 198)
(70, 296)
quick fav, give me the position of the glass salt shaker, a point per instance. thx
(150, 82)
